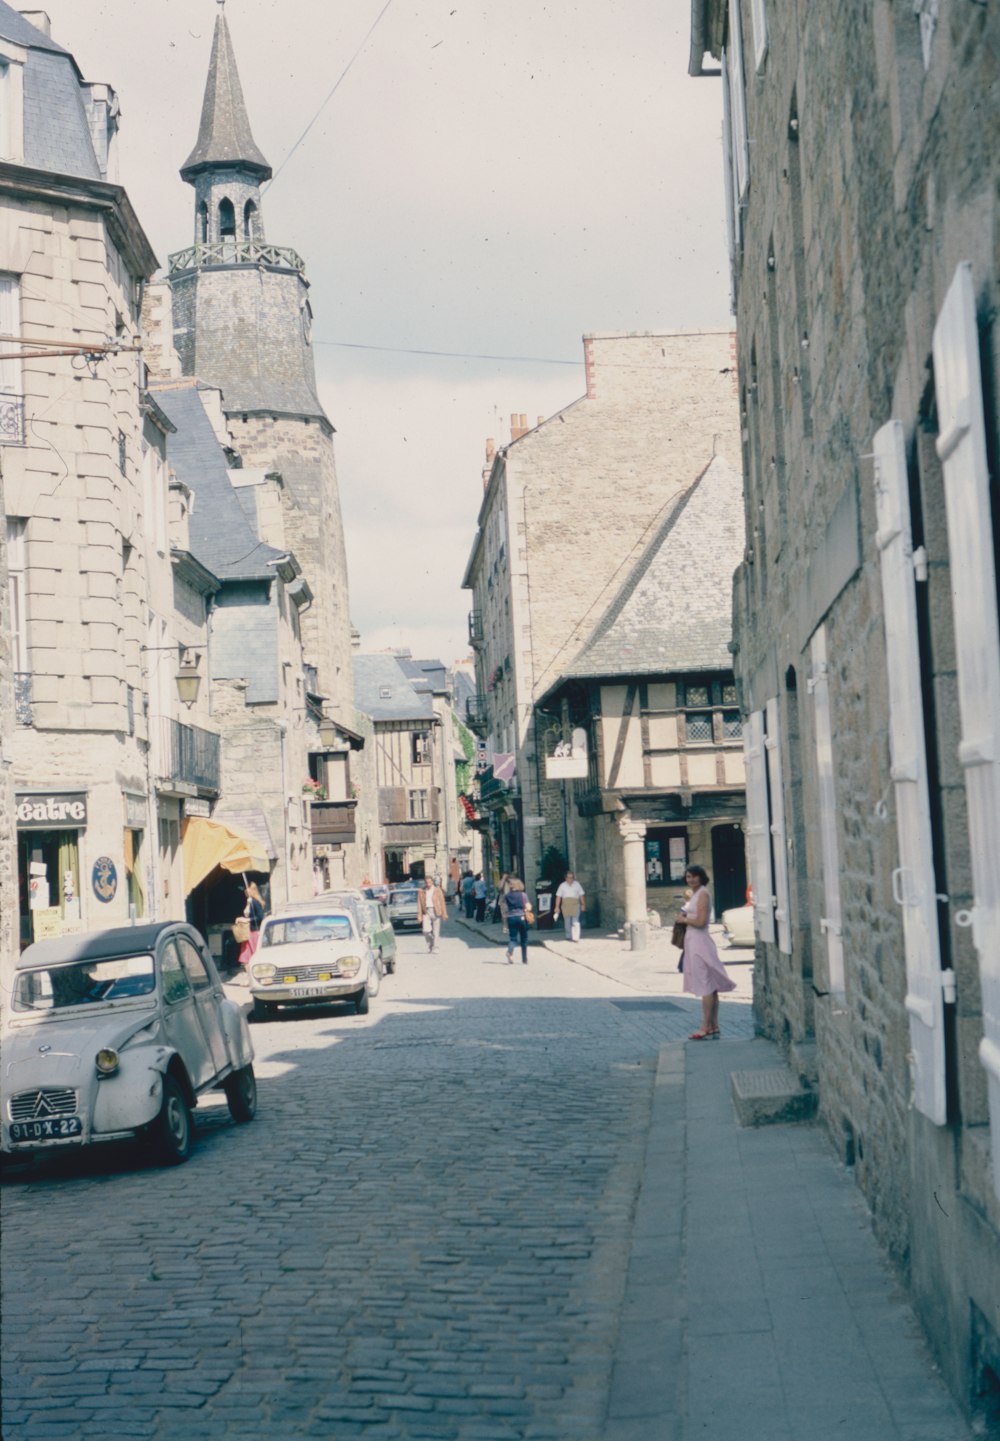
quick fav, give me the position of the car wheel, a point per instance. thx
(172, 1127)
(361, 1002)
(374, 981)
(241, 1094)
(261, 1011)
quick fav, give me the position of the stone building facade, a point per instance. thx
(863, 161)
(568, 509)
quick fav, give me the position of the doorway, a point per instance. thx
(729, 867)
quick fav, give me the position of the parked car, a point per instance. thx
(737, 925)
(376, 893)
(311, 955)
(118, 1034)
(403, 907)
(381, 934)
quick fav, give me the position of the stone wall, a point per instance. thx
(873, 173)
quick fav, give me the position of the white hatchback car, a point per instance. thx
(311, 955)
(115, 1034)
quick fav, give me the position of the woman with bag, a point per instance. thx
(704, 973)
(246, 928)
(518, 911)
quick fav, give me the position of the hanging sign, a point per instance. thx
(104, 879)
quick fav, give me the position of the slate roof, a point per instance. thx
(220, 536)
(425, 675)
(374, 674)
(224, 136)
(674, 611)
(56, 129)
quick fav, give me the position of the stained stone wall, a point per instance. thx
(873, 174)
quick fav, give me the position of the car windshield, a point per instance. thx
(403, 893)
(296, 929)
(56, 988)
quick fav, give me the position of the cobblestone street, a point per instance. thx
(424, 1233)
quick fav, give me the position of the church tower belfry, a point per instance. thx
(225, 167)
(242, 323)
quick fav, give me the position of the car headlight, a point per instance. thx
(350, 965)
(106, 1061)
(262, 972)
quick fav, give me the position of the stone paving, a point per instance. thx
(424, 1234)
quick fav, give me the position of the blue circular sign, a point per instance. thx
(104, 879)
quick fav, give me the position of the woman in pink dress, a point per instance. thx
(704, 973)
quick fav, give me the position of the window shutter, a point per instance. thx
(758, 15)
(913, 882)
(779, 846)
(830, 923)
(962, 448)
(733, 60)
(757, 828)
(729, 182)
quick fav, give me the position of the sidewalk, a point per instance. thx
(757, 1301)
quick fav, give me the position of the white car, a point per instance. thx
(738, 926)
(312, 955)
(117, 1034)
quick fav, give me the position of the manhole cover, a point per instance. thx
(646, 1006)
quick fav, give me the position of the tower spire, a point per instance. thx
(224, 136)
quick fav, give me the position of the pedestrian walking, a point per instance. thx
(480, 890)
(253, 912)
(704, 973)
(431, 911)
(500, 909)
(570, 901)
(517, 920)
(468, 899)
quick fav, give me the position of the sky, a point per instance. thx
(495, 178)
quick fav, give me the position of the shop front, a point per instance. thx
(50, 827)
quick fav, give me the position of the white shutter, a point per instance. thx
(913, 882)
(831, 922)
(758, 16)
(962, 449)
(779, 840)
(758, 828)
(729, 185)
(10, 324)
(732, 59)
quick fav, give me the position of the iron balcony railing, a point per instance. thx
(11, 419)
(235, 252)
(189, 754)
(476, 714)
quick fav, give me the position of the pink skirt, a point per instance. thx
(248, 947)
(703, 971)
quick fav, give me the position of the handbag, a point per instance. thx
(529, 915)
(677, 935)
(241, 930)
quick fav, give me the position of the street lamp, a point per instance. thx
(187, 678)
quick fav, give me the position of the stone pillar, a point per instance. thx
(633, 834)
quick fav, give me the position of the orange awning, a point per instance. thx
(208, 844)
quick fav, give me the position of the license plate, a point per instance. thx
(298, 991)
(55, 1129)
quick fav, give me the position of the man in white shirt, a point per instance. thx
(569, 900)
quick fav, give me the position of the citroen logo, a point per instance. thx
(42, 1107)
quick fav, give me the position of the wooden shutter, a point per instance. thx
(831, 922)
(779, 839)
(913, 881)
(758, 16)
(758, 828)
(962, 448)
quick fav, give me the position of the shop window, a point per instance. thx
(133, 874)
(49, 883)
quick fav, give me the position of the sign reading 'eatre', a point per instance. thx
(45, 812)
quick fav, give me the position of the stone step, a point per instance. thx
(770, 1097)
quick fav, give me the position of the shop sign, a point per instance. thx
(104, 879)
(51, 810)
(135, 812)
(197, 806)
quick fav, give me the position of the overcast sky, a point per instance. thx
(494, 177)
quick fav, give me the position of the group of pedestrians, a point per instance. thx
(472, 894)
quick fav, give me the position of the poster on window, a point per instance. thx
(654, 863)
(678, 857)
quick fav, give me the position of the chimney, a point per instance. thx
(39, 19)
(491, 450)
(518, 426)
(540, 420)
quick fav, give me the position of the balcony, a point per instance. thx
(235, 252)
(477, 715)
(475, 627)
(11, 419)
(333, 822)
(188, 755)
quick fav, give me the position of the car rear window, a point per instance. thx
(296, 929)
(55, 988)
